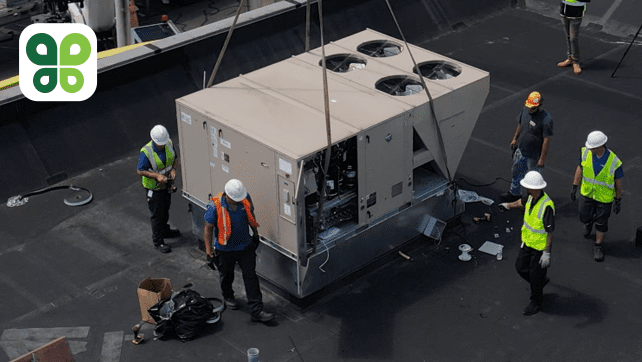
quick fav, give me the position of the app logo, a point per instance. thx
(58, 62)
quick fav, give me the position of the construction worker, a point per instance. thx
(157, 165)
(572, 12)
(230, 218)
(530, 143)
(600, 173)
(537, 237)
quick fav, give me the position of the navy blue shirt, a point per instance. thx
(599, 162)
(535, 127)
(240, 236)
(143, 161)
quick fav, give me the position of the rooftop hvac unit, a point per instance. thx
(267, 128)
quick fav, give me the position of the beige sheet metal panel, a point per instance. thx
(458, 100)
(355, 105)
(242, 158)
(194, 153)
(388, 167)
(277, 121)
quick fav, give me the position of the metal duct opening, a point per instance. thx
(399, 85)
(379, 48)
(343, 63)
(438, 70)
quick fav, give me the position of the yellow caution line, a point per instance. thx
(14, 81)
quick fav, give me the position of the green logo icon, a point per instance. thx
(58, 63)
(67, 61)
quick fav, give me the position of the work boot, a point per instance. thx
(576, 68)
(566, 63)
(587, 228)
(598, 255)
(231, 303)
(172, 233)
(531, 308)
(163, 248)
(508, 197)
(263, 317)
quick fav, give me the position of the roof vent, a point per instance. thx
(399, 85)
(439, 70)
(379, 48)
(343, 63)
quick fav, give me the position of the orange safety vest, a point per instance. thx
(223, 222)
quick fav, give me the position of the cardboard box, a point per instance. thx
(150, 291)
(56, 350)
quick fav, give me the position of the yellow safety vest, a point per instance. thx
(572, 2)
(533, 232)
(157, 165)
(600, 187)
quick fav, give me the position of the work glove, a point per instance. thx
(574, 193)
(545, 260)
(256, 241)
(212, 261)
(503, 206)
(617, 205)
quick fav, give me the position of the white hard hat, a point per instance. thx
(533, 180)
(160, 136)
(234, 190)
(595, 139)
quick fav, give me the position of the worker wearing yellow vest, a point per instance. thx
(537, 237)
(572, 12)
(157, 165)
(600, 173)
(231, 226)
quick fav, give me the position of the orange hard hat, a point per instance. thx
(534, 99)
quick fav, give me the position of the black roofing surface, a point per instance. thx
(70, 267)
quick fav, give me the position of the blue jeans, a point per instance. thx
(521, 165)
(572, 31)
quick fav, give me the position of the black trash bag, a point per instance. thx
(161, 313)
(183, 315)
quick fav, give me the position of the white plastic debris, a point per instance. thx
(471, 196)
(491, 248)
(17, 201)
(465, 248)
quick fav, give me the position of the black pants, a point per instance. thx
(527, 265)
(247, 261)
(592, 211)
(159, 204)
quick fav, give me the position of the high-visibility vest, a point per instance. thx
(157, 165)
(223, 222)
(600, 187)
(572, 3)
(533, 232)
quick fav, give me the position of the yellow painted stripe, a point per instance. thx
(14, 81)
(110, 52)
(8, 83)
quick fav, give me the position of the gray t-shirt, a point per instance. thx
(535, 127)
